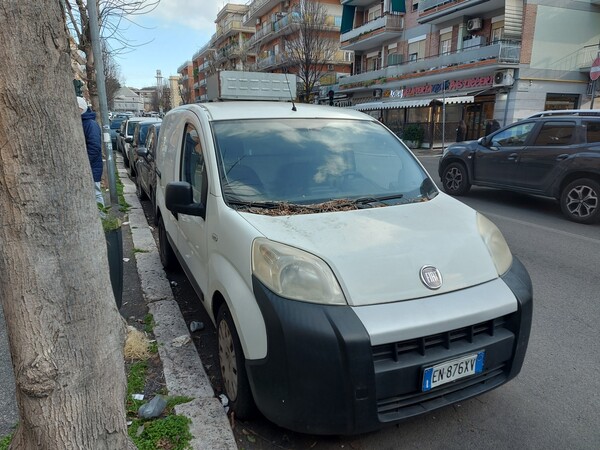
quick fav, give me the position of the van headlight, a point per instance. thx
(295, 274)
(495, 243)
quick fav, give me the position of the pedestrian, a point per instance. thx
(461, 131)
(495, 125)
(93, 143)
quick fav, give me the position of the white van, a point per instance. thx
(347, 291)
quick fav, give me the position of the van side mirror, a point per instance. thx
(179, 198)
(482, 141)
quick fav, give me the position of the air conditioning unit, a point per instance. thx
(474, 24)
(504, 77)
(329, 67)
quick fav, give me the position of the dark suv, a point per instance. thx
(550, 154)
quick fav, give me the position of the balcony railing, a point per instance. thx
(389, 22)
(505, 52)
(202, 82)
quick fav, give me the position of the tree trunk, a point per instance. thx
(65, 333)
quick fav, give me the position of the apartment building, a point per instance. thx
(278, 25)
(186, 82)
(231, 51)
(435, 62)
(200, 69)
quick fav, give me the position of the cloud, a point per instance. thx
(198, 14)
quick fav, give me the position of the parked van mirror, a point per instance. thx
(179, 199)
(142, 152)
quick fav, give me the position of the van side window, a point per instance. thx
(193, 164)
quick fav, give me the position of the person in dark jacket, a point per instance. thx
(93, 143)
(461, 131)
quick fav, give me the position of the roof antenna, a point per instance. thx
(288, 84)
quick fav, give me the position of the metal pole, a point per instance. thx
(593, 94)
(99, 67)
(443, 115)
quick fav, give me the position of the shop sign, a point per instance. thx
(438, 88)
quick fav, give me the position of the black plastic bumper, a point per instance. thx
(322, 376)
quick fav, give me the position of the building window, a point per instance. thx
(445, 43)
(497, 31)
(415, 6)
(561, 101)
(416, 50)
(374, 13)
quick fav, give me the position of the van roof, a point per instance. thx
(273, 110)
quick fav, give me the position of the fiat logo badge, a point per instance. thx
(431, 277)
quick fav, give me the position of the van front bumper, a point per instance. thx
(323, 375)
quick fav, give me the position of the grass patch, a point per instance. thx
(149, 323)
(136, 380)
(153, 347)
(5, 442)
(123, 205)
(171, 432)
(139, 250)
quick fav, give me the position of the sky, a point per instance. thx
(166, 38)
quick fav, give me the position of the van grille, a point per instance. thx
(421, 345)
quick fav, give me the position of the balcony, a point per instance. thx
(257, 9)
(437, 11)
(200, 52)
(372, 34)
(231, 28)
(260, 35)
(264, 63)
(184, 66)
(501, 53)
(202, 82)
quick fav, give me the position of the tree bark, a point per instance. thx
(65, 333)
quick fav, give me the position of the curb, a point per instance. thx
(182, 367)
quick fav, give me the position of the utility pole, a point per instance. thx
(99, 67)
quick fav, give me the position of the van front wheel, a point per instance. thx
(233, 369)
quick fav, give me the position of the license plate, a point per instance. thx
(453, 370)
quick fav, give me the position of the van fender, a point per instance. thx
(249, 322)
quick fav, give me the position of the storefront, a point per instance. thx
(436, 107)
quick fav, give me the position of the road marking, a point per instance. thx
(542, 227)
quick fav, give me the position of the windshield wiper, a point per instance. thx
(376, 199)
(250, 204)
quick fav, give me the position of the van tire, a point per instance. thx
(233, 368)
(167, 255)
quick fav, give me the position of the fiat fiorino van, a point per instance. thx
(347, 291)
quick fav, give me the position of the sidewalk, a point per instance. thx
(183, 371)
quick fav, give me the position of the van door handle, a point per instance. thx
(562, 157)
(513, 157)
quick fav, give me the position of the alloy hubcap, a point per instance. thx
(453, 179)
(582, 201)
(227, 360)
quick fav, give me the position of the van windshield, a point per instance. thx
(340, 163)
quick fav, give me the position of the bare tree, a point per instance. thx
(312, 45)
(185, 93)
(111, 76)
(65, 333)
(113, 14)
